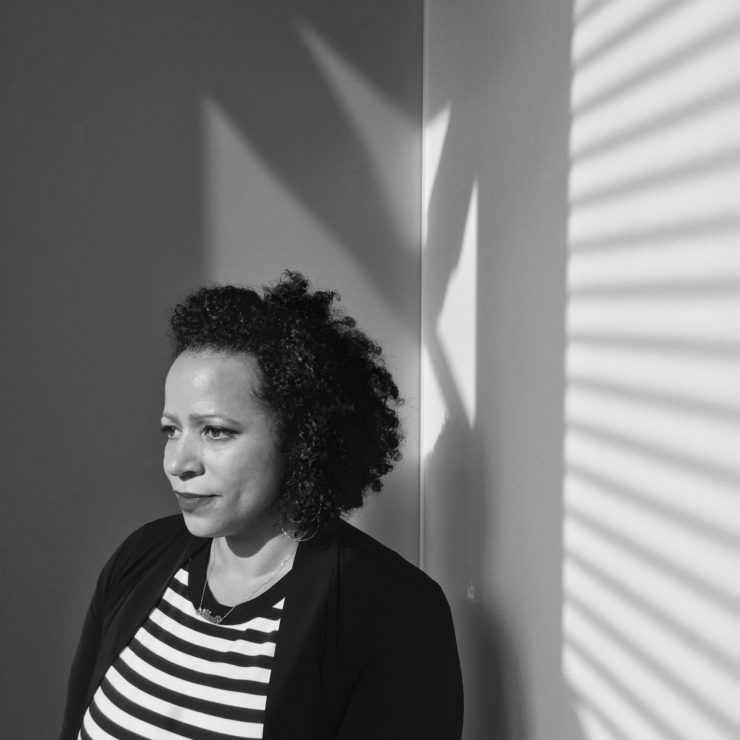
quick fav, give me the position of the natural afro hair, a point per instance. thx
(325, 381)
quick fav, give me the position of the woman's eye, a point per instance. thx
(169, 431)
(217, 432)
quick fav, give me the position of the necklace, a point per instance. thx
(209, 616)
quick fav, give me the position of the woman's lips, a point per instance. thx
(191, 501)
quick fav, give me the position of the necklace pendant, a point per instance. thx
(208, 616)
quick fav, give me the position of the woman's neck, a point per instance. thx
(239, 560)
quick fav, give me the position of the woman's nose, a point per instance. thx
(181, 458)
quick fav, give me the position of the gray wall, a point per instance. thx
(492, 492)
(128, 129)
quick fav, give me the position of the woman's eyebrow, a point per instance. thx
(213, 415)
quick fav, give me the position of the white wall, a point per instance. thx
(652, 518)
(581, 211)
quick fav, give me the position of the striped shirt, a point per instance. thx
(184, 677)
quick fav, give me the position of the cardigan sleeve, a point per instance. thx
(408, 684)
(88, 647)
(81, 670)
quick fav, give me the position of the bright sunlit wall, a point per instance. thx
(651, 576)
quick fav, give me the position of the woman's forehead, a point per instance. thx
(210, 377)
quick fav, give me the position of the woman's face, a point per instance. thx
(221, 456)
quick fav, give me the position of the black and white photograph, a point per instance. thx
(370, 369)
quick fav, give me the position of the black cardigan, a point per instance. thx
(366, 650)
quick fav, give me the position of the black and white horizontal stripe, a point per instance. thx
(184, 677)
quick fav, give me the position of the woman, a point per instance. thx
(259, 612)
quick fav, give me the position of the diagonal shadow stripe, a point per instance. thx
(342, 188)
(668, 63)
(614, 732)
(682, 460)
(728, 159)
(689, 695)
(592, 9)
(619, 37)
(698, 288)
(722, 412)
(627, 692)
(636, 497)
(658, 345)
(698, 106)
(677, 231)
(653, 610)
(707, 590)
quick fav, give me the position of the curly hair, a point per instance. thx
(334, 400)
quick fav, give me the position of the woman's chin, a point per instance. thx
(259, 530)
(199, 526)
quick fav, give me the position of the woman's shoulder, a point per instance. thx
(376, 568)
(158, 531)
(151, 542)
(388, 611)
(164, 526)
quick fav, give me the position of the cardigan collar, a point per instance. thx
(140, 601)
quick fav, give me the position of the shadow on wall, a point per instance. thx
(652, 475)
(495, 215)
(308, 139)
(104, 228)
(494, 691)
(455, 494)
